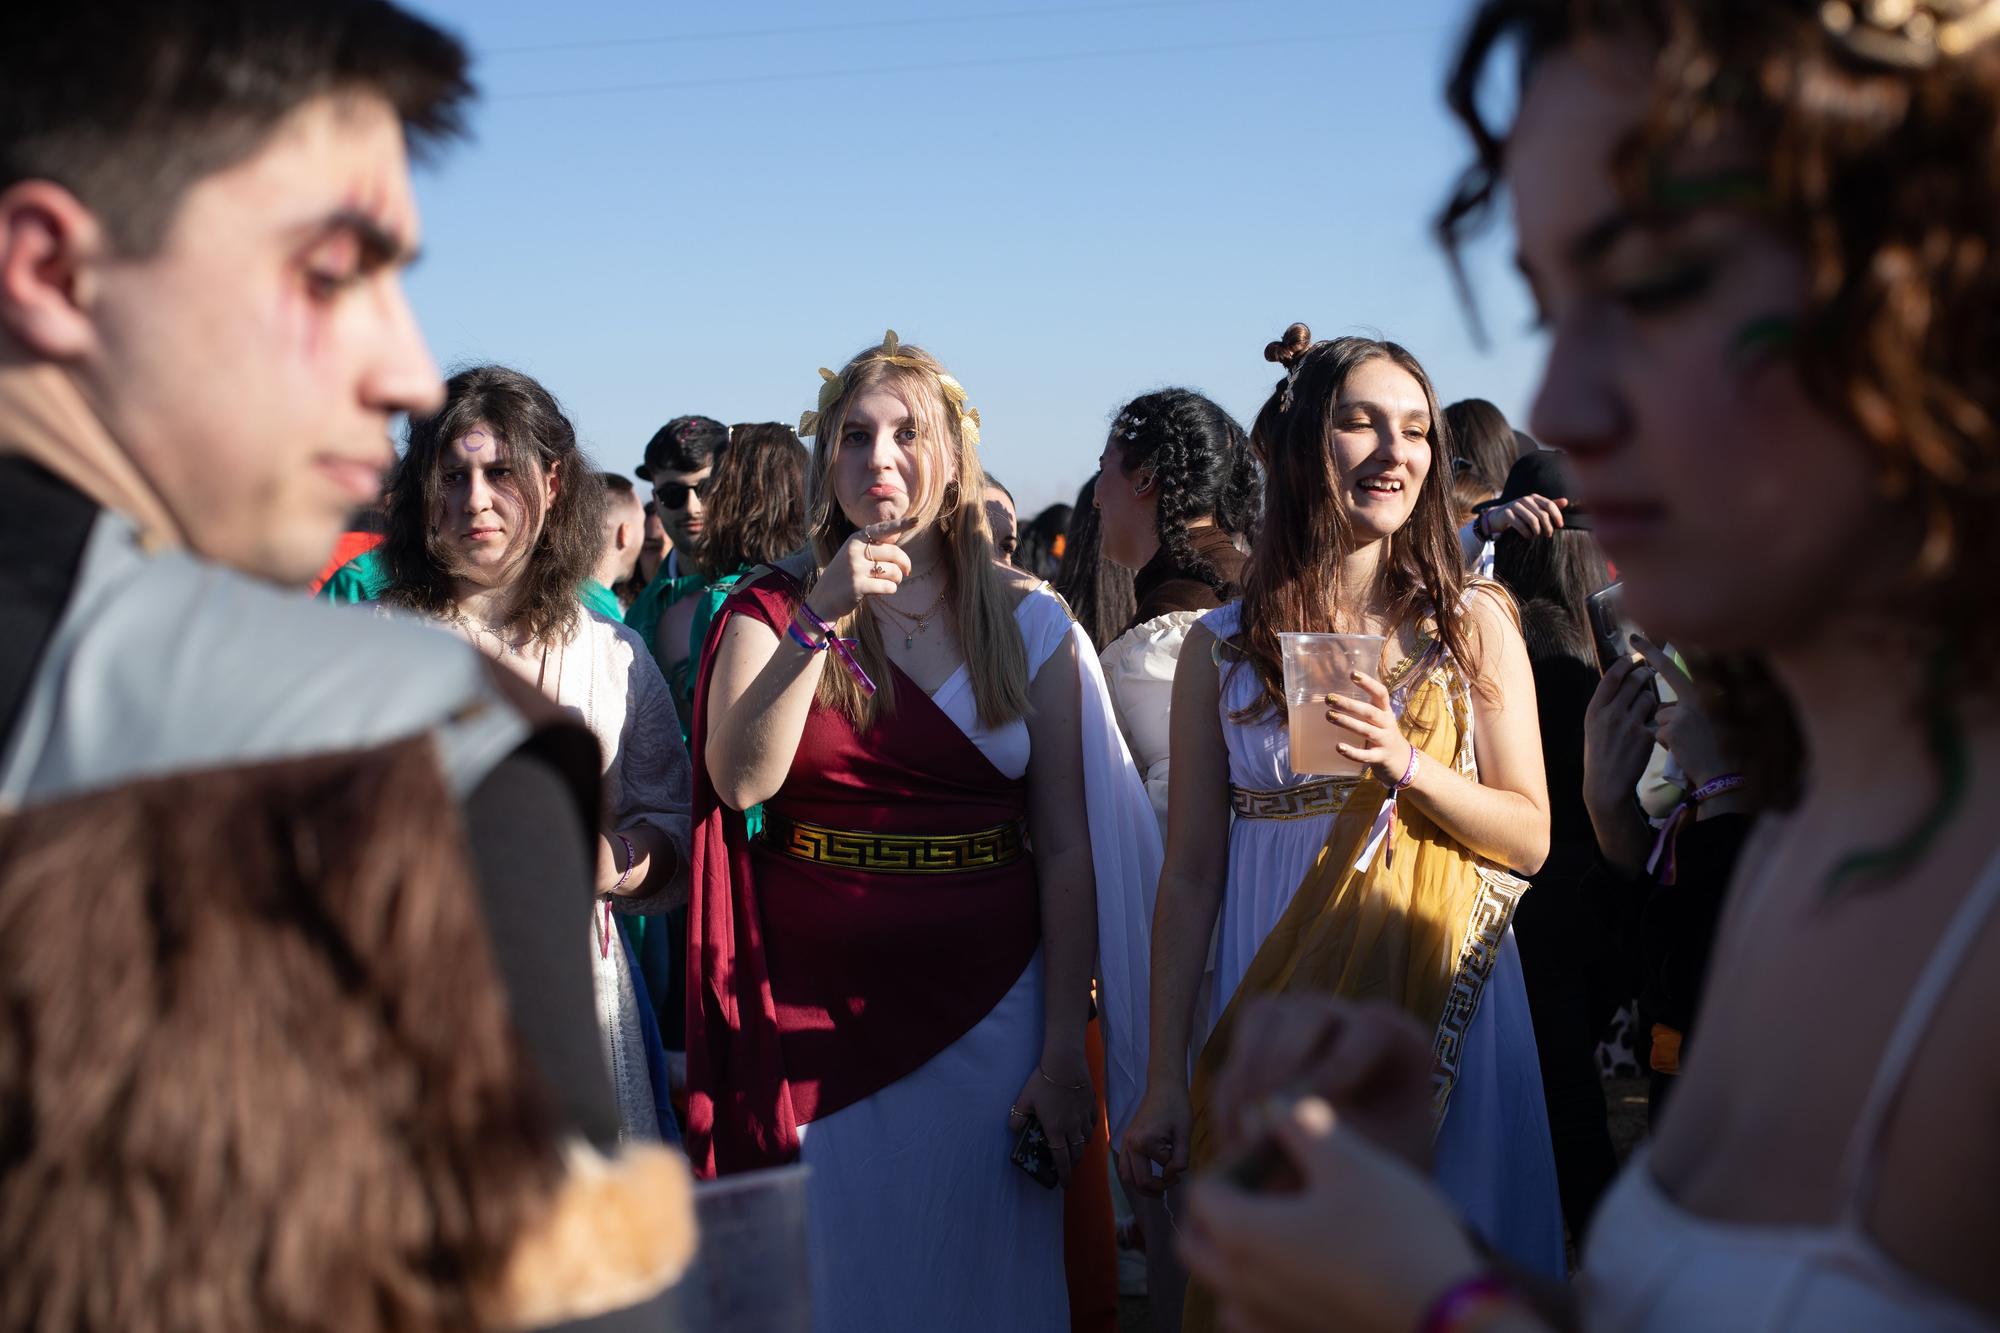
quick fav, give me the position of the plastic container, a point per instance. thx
(1317, 665)
(750, 1274)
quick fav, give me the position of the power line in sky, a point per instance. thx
(941, 66)
(857, 25)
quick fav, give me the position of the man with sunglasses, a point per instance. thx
(679, 459)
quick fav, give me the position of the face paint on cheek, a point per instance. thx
(1762, 341)
(1716, 189)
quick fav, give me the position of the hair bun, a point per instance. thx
(1290, 349)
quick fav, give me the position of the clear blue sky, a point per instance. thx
(672, 209)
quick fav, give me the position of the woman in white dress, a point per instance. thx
(893, 978)
(494, 522)
(1176, 490)
(1393, 884)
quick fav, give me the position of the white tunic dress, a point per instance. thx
(916, 1217)
(605, 675)
(1493, 1154)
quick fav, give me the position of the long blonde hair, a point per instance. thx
(995, 657)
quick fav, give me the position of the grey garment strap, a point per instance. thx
(167, 663)
(1864, 1148)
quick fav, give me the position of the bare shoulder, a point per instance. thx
(1491, 613)
(1019, 584)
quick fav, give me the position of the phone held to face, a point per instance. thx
(1031, 1154)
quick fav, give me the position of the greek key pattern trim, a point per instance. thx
(1485, 930)
(895, 853)
(1308, 802)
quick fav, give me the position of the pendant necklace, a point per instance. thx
(921, 622)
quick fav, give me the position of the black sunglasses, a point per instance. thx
(674, 494)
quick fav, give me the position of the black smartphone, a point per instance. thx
(1609, 624)
(1032, 1155)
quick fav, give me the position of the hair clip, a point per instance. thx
(1910, 34)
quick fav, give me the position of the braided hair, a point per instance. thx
(1202, 467)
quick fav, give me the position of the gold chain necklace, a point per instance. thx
(922, 621)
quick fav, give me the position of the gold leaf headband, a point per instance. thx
(1911, 34)
(832, 386)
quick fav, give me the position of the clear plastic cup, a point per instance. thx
(750, 1275)
(1317, 665)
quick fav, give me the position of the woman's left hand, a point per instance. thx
(1380, 744)
(1683, 728)
(1066, 1104)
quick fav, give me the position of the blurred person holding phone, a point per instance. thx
(1668, 876)
(1565, 925)
(1747, 227)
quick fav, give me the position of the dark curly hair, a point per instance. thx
(1881, 172)
(756, 509)
(1202, 468)
(534, 437)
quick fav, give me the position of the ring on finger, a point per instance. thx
(879, 570)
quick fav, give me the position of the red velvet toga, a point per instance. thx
(813, 986)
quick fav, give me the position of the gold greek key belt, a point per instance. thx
(1314, 799)
(895, 853)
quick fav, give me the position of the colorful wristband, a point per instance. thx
(799, 637)
(1715, 787)
(630, 858)
(839, 646)
(1463, 1303)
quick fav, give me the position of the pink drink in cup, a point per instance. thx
(1317, 665)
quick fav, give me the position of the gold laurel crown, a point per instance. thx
(1912, 34)
(832, 386)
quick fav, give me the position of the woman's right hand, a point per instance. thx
(1161, 1132)
(867, 564)
(1618, 735)
(1370, 1060)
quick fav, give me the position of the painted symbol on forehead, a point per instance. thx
(475, 440)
